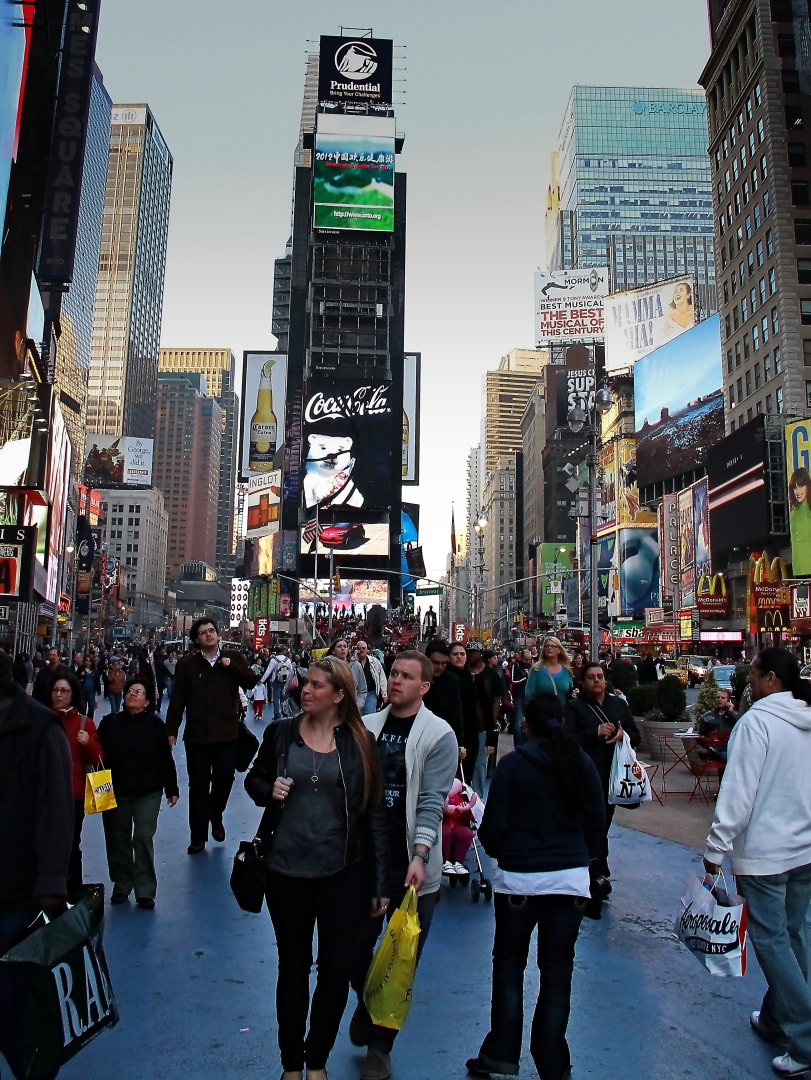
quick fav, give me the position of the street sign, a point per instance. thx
(430, 592)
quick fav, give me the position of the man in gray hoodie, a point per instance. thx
(419, 756)
(763, 825)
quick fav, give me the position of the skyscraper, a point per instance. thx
(218, 366)
(132, 262)
(506, 393)
(630, 187)
(759, 106)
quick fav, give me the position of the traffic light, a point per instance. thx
(336, 582)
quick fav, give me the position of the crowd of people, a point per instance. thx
(376, 771)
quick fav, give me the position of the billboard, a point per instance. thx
(57, 479)
(738, 501)
(701, 524)
(346, 446)
(263, 505)
(620, 492)
(17, 544)
(556, 563)
(669, 549)
(353, 172)
(569, 304)
(638, 570)
(355, 70)
(347, 537)
(114, 461)
(575, 382)
(687, 549)
(607, 464)
(264, 391)
(798, 466)
(679, 404)
(411, 418)
(641, 320)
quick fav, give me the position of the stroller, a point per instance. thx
(479, 886)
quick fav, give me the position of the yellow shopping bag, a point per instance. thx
(98, 792)
(387, 992)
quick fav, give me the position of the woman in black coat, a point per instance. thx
(542, 823)
(137, 752)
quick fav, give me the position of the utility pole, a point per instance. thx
(331, 585)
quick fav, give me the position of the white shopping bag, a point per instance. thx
(628, 782)
(711, 922)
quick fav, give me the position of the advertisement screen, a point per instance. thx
(701, 524)
(114, 461)
(575, 382)
(355, 70)
(411, 418)
(556, 562)
(353, 173)
(798, 465)
(346, 446)
(569, 304)
(264, 389)
(639, 321)
(263, 504)
(687, 549)
(739, 508)
(355, 537)
(679, 403)
(639, 570)
(57, 478)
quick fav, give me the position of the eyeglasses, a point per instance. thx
(137, 690)
(61, 690)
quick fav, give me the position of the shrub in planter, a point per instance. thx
(706, 695)
(672, 698)
(643, 698)
(622, 675)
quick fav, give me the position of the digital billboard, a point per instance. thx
(798, 466)
(264, 390)
(641, 320)
(57, 479)
(114, 461)
(355, 70)
(263, 505)
(638, 570)
(576, 382)
(687, 549)
(701, 525)
(347, 537)
(411, 418)
(679, 403)
(353, 172)
(556, 563)
(569, 304)
(739, 507)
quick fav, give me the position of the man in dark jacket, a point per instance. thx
(444, 698)
(41, 691)
(206, 686)
(36, 808)
(597, 720)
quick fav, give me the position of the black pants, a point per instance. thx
(599, 864)
(382, 1038)
(336, 906)
(211, 768)
(558, 921)
(75, 866)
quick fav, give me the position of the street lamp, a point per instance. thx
(578, 418)
(478, 528)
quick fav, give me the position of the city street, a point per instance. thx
(195, 979)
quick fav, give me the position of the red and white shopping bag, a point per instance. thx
(711, 922)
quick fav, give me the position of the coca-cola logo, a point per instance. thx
(362, 401)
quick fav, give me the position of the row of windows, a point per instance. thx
(754, 377)
(772, 403)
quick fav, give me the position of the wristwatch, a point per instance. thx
(424, 855)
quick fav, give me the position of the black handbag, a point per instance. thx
(248, 876)
(248, 745)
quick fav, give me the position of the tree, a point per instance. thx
(706, 695)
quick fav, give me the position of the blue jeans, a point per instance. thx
(519, 738)
(558, 921)
(12, 920)
(278, 690)
(115, 701)
(480, 768)
(778, 928)
(368, 704)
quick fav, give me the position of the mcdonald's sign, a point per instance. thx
(711, 596)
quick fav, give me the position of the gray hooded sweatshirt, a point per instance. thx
(763, 814)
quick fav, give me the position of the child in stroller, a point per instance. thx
(457, 835)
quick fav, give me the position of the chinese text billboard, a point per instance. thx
(264, 387)
(569, 304)
(798, 465)
(639, 321)
(353, 173)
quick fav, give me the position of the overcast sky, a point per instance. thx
(485, 91)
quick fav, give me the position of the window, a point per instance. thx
(759, 250)
(735, 319)
(760, 131)
(732, 425)
(737, 354)
(802, 231)
(766, 206)
(769, 405)
(807, 352)
(740, 389)
(804, 271)
(748, 378)
(739, 235)
(732, 136)
(786, 45)
(746, 346)
(745, 190)
(752, 146)
(748, 226)
(752, 300)
(756, 212)
(757, 95)
(725, 149)
(727, 327)
(776, 320)
(758, 407)
(794, 117)
(805, 312)
(764, 326)
(808, 395)
(757, 376)
(791, 82)
(721, 225)
(764, 172)
(777, 365)
(732, 397)
(734, 280)
(772, 285)
(769, 245)
(748, 414)
(778, 398)
(755, 337)
(762, 290)
(744, 309)
(729, 361)
(723, 255)
(726, 292)
(767, 368)
(796, 155)
(735, 177)
(799, 193)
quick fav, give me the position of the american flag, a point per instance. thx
(311, 530)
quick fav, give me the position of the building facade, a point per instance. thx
(502, 538)
(759, 108)
(132, 262)
(134, 528)
(631, 162)
(186, 466)
(506, 392)
(219, 368)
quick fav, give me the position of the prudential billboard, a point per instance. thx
(353, 173)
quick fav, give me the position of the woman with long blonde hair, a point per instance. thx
(324, 839)
(552, 674)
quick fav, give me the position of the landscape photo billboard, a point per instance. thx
(355, 70)
(798, 468)
(641, 320)
(264, 390)
(736, 474)
(353, 172)
(114, 461)
(411, 418)
(679, 404)
(569, 304)
(638, 570)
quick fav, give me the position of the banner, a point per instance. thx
(639, 321)
(569, 304)
(638, 570)
(117, 461)
(264, 390)
(687, 549)
(798, 467)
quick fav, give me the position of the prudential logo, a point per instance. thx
(356, 60)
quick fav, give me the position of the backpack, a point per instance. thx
(283, 670)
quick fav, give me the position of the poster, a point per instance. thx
(607, 464)
(798, 466)
(569, 304)
(264, 391)
(556, 563)
(639, 321)
(411, 418)
(263, 505)
(687, 550)
(701, 523)
(638, 570)
(353, 172)
(117, 461)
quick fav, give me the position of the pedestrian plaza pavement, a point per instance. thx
(195, 979)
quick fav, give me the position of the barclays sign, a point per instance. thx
(678, 107)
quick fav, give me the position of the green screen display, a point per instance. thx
(353, 182)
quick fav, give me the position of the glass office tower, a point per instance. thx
(630, 185)
(122, 389)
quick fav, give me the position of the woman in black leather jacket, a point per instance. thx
(325, 839)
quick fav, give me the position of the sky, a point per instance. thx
(481, 105)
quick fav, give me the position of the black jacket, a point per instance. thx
(445, 700)
(137, 752)
(36, 802)
(367, 832)
(210, 696)
(527, 826)
(41, 690)
(582, 718)
(477, 710)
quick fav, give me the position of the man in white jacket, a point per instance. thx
(763, 825)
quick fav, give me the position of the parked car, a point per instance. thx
(696, 667)
(673, 667)
(723, 675)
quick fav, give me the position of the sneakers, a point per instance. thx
(461, 869)
(775, 1040)
(377, 1065)
(449, 868)
(787, 1066)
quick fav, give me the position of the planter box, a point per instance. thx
(650, 749)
